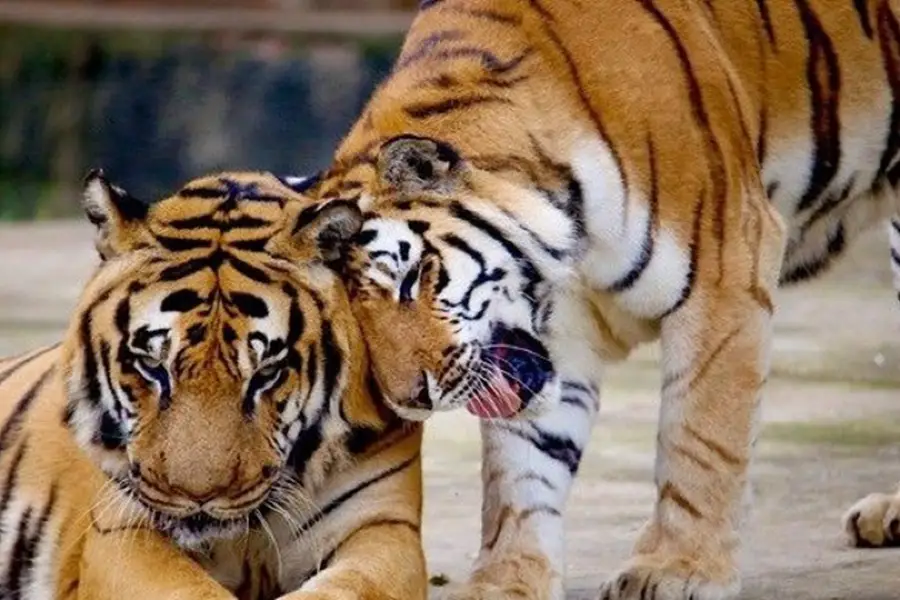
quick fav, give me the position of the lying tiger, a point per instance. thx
(548, 184)
(208, 428)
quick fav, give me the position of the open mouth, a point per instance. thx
(516, 366)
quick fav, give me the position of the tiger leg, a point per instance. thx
(715, 345)
(382, 560)
(874, 521)
(527, 471)
(140, 564)
(528, 467)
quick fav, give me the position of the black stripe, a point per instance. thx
(580, 88)
(211, 221)
(326, 562)
(14, 570)
(554, 253)
(540, 509)
(11, 426)
(462, 213)
(248, 270)
(250, 305)
(575, 401)
(811, 269)
(763, 7)
(307, 443)
(25, 361)
(341, 499)
(895, 256)
(695, 257)
(535, 476)
(251, 245)
(108, 432)
(889, 41)
(454, 241)
(862, 11)
(643, 260)
(22, 560)
(296, 325)
(761, 146)
(895, 223)
(559, 448)
(487, 14)
(183, 300)
(713, 150)
(824, 79)
(9, 485)
(333, 361)
(174, 244)
(424, 48)
(424, 110)
(827, 208)
(183, 269)
(201, 192)
(489, 61)
(523, 263)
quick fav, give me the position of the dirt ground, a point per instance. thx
(832, 430)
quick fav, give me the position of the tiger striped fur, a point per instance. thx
(549, 183)
(208, 427)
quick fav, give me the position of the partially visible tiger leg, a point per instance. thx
(528, 470)
(874, 521)
(715, 345)
(140, 564)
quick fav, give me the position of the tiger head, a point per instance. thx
(452, 292)
(211, 338)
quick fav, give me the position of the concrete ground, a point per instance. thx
(832, 429)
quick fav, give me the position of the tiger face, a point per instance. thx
(209, 334)
(453, 297)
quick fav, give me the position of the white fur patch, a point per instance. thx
(617, 225)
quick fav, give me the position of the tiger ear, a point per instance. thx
(412, 164)
(116, 214)
(322, 231)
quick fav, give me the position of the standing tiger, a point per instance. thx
(208, 428)
(549, 183)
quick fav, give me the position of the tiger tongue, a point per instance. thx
(498, 401)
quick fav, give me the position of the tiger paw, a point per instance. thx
(520, 576)
(656, 577)
(874, 521)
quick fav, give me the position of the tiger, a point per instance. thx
(547, 185)
(208, 428)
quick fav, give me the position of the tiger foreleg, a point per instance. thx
(382, 560)
(527, 472)
(715, 345)
(141, 564)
